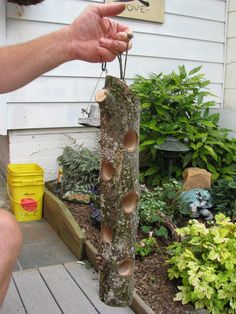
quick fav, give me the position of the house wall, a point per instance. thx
(43, 146)
(228, 114)
(3, 99)
(4, 153)
(4, 145)
(230, 82)
(193, 34)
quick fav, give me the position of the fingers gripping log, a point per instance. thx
(120, 114)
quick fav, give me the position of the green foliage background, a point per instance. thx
(80, 168)
(205, 261)
(223, 193)
(175, 105)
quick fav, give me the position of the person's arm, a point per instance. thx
(91, 37)
(20, 64)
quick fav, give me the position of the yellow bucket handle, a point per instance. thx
(9, 195)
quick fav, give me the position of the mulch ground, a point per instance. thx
(151, 281)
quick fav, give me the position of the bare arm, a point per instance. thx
(91, 37)
(20, 64)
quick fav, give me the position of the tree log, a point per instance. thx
(25, 2)
(119, 179)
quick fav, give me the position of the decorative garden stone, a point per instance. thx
(120, 114)
(196, 178)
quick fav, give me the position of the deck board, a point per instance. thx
(12, 303)
(69, 289)
(87, 279)
(34, 293)
(65, 290)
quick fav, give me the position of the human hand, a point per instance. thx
(95, 38)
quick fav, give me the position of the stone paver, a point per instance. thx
(42, 247)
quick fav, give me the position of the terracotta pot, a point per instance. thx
(26, 2)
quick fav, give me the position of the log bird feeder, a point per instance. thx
(25, 2)
(120, 115)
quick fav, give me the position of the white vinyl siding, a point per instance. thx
(230, 81)
(192, 34)
(43, 146)
(42, 117)
(3, 100)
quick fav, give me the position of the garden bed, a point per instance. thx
(151, 281)
(62, 221)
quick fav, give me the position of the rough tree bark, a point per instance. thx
(120, 113)
(25, 2)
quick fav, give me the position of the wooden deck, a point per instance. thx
(70, 289)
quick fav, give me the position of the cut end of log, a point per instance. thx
(101, 95)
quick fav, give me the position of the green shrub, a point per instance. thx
(205, 260)
(146, 246)
(162, 203)
(80, 168)
(223, 193)
(174, 105)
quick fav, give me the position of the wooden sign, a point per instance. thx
(147, 10)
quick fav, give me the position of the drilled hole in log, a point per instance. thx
(131, 141)
(125, 268)
(106, 234)
(107, 171)
(129, 202)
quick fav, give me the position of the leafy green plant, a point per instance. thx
(80, 168)
(223, 193)
(160, 205)
(174, 105)
(205, 261)
(146, 246)
(169, 193)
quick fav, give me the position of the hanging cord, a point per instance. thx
(104, 69)
(123, 70)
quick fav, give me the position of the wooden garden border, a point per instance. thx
(61, 220)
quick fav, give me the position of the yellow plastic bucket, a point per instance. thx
(25, 184)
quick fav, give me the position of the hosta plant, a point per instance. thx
(205, 261)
